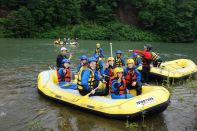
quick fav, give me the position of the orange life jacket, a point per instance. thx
(66, 77)
(111, 71)
(121, 89)
(130, 76)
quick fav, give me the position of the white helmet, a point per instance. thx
(63, 48)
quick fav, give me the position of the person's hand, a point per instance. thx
(92, 92)
(130, 50)
(107, 65)
(70, 56)
(64, 71)
(104, 81)
(119, 80)
(134, 83)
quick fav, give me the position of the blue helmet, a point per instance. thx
(118, 52)
(135, 54)
(96, 56)
(92, 59)
(65, 61)
(83, 57)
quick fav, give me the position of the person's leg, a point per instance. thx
(121, 96)
(138, 88)
(107, 88)
(143, 74)
(96, 83)
(159, 62)
(155, 63)
(83, 92)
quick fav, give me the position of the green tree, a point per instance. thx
(20, 23)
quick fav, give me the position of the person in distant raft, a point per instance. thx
(109, 72)
(88, 80)
(156, 59)
(118, 85)
(84, 62)
(61, 56)
(64, 75)
(99, 65)
(99, 51)
(119, 60)
(132, 77)
(137, 60)
(146, 61)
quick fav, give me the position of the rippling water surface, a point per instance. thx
(22, 108)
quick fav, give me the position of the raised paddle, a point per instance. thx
(111, 49)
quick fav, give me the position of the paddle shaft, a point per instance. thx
(91, 92)
(111, 49)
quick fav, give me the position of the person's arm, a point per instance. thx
(138, 75)
(96, 76)
(139, 52)
(115, 85)
(106, 72)
(60, 74)
(101, 67)
(78, 67)
(84, 79)
(139, 62)
(123, 62)
(58, 61)
(125, 72)
(94, 52)
(102, 54)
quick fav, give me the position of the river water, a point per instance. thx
(22, 108)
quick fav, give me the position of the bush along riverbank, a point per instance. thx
(91, 31)
(174, 21)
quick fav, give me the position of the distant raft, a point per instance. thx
(154, 99)
(175, 69)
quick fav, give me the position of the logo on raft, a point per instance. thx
(146, 101)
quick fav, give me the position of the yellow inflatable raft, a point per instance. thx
(176, 69)
(153, 99)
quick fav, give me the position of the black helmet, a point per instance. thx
(148, 46)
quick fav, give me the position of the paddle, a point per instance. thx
(87, 96)
(111, 49)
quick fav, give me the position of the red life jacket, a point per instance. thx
(121, 89)
(66, 77)
(130, 76)
(147, 59)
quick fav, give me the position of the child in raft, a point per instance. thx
(118, 85)
(64, 75)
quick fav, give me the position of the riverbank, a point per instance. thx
(92, 31)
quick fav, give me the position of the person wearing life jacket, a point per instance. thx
(88, 80)
(64, 75)
(62, 56)
(146, 61)
(109, 72)
(132, 77)
(84, 62)
(156, 59)
(99, 50)
(118, 89)
(99, 65)
(119, 60)
(137, 60)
